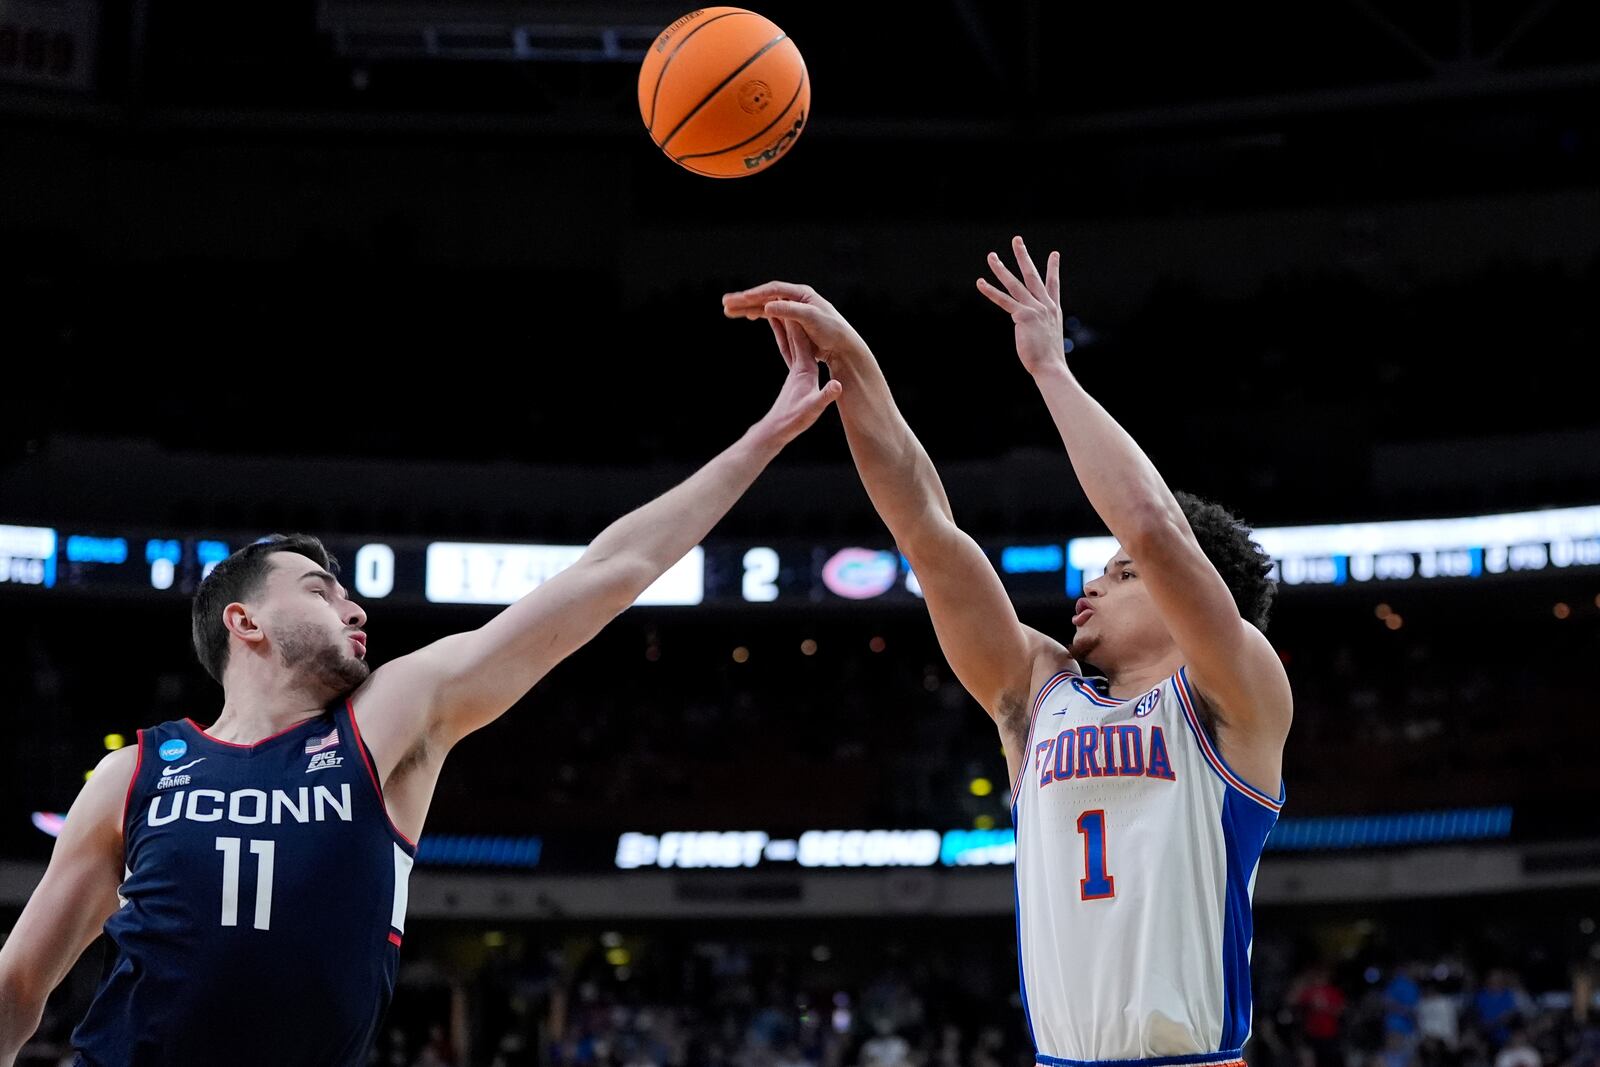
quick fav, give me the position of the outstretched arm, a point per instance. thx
(1229, 660)
(993, 654)
(430, 699)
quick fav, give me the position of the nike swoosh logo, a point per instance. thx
(186, 766)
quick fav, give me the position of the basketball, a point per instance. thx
(724, 92)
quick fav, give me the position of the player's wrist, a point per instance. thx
(1049, 368)
(767, 436)
(849, 355)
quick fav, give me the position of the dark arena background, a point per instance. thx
(411, 276)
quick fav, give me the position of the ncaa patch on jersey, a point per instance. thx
(174, 749)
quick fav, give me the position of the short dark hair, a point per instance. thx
(1243, 564)
(240, 577)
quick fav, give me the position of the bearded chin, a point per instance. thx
(1083, 646)
(306, 652)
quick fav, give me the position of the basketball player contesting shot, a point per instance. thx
(252, 876)
(1141, 797)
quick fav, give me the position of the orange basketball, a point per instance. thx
(724, 92)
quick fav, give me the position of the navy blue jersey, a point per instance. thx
(263, 904)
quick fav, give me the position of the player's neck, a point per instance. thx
(252, 712)
(1141, 676)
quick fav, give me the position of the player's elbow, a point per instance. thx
(16, 984)
(22, 999)
(621, 577)
(1152, 528)
(929, 538)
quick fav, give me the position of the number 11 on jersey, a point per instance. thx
(229, 847)
(1096, 884)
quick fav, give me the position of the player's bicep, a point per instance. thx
(79, 889)
(991, 652)
(465, 681)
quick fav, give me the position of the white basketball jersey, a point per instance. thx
(1136, 859)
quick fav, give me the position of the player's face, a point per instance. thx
(1116, 619)
(313, 625)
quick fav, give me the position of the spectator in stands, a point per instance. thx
(1518, 1052)
(1496, 1008)
(1321, 1007)
(1438, 1017)
(886, 1049)
(1400, 999)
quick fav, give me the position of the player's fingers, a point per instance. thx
(800, 343)
(1052, 277)
(811, 319)
(736, 304)
(781, 334)
(1030, 273)
(996, 297)
(1018, 291)
(825, 396)
(742, 309)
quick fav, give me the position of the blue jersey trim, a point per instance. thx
(1229, 1056)
(1084, 687)
(1016, 899)
(1245, 826)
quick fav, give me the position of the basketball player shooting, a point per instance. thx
(1141, 795)
(252, 876)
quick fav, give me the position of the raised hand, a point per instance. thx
(800, 402)
(1034, 304)
(809, 324)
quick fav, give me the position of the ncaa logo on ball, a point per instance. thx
(1147, 703)
(171, 750)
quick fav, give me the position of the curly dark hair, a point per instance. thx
(238, 578)
(1243, 564)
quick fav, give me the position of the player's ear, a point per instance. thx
(242, 623)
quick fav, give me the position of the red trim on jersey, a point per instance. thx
(361, 747)
(1212, 757)
(127, 798)
(394, 939)
(254, 744)
(1050, 687)
(1089, 691)
(1033, 716)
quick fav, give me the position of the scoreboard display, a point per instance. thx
(416, 571)
(155, 563)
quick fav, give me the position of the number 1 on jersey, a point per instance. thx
(1096, 884)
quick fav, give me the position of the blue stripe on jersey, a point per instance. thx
(1087, 688)
(1016, 900)
(1245, 825)
(1227, 1056)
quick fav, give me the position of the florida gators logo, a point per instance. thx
(1148, 702)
